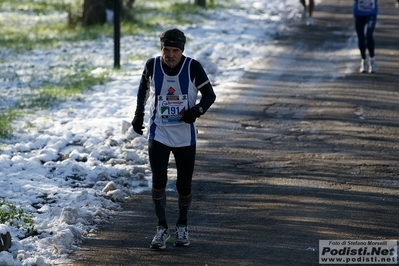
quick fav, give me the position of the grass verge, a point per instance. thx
(47, 97)
(16, 217)
(29, 25)
(26, 25)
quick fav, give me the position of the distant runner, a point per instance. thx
(309, 20)
(365, 13)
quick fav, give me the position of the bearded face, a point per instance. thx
(171, 55)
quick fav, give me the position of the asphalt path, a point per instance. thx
(305, 148)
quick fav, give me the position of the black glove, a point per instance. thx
(137, 123)
(190, 115)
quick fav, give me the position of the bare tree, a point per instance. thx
(94, 12)
(129, 4)
(200, 3)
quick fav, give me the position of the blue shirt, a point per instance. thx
(365, 7)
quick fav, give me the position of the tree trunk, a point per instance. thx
(94, 12)
(5, 241)
(200, 3)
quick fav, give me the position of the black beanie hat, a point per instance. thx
(174, 38)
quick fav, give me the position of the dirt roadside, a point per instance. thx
(299, 152)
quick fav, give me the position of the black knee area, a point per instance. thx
(159, 186)
(184, 191)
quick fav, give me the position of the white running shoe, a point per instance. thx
(181, 236)
(161, 237)
(373, 65)
(310, 21)
(364, 66)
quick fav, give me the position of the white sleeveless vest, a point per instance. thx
(170, 97)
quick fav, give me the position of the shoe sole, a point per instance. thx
(181, 244)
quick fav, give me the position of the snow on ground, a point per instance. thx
(76, 161)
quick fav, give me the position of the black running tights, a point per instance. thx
(159, 160)
(365, 28)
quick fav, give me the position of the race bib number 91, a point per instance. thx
(172, 108)
(366, 5)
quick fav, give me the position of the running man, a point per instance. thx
(171, 83)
